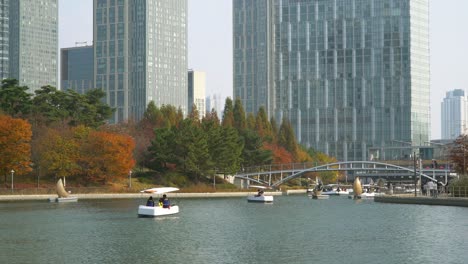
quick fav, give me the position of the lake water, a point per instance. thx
(294, 229)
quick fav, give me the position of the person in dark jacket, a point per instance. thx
(166, 202)
(150, 201)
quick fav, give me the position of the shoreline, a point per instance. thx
(45, 197)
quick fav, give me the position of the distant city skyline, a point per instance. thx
(454, 114)
(210, 44)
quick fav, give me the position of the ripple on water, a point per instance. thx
(294, 229)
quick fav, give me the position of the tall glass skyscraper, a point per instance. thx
(352, 76)
(141, 54)
(77, 69)
(29, 42)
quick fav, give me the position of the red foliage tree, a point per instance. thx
(15, 145)
(105, 156)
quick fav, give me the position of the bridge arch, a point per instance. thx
(336, 166)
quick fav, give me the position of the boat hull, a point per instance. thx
(320, 196)
(68, 199)
(154, 211)
(260, 199)
(335, 192)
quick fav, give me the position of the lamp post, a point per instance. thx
(464, 162)
(12, 176)
(130, 179)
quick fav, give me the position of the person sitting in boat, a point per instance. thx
(150, 201)
(166, 202)
(160, 202)
(259, 193)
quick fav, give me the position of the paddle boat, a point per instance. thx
(259, 197)
(317, 192)
(157, 209)
(372, 194)
(63, 195)
(334, 189)
(369, 191)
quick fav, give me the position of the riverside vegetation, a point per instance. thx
(53, 133)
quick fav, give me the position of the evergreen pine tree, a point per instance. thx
(228, 114)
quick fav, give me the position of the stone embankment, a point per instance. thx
(446, 201)
(130, 196)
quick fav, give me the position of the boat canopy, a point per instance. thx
(160, 190)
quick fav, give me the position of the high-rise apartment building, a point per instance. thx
(197, 91)
(29, 42)
(140, 50)
(352, 76)
(4, 38)
(77, 69)
(454, 114)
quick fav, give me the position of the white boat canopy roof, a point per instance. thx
(258, 186)
(160, 190)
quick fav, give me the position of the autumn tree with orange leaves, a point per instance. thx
(84, 155)
(56, 153)
(15, 147)
(105, 156)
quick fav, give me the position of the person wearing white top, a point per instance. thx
(430, 186)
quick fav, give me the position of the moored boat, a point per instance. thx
(63, 195)
(64, 199)
(357, 189)
(334, 189)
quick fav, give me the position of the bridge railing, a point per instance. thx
(281, 167)
(306, 165)
(455, 191)
(445, 191)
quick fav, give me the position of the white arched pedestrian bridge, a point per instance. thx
(275, 175)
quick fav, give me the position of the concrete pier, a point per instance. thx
(445, 201)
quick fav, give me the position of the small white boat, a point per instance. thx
(320, 196)
(157, 210)
(259, 197)
(367, 195)
(153, 211)
(63, 195)
(334, 189)
(318, 191)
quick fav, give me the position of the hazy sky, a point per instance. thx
(210, 44)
